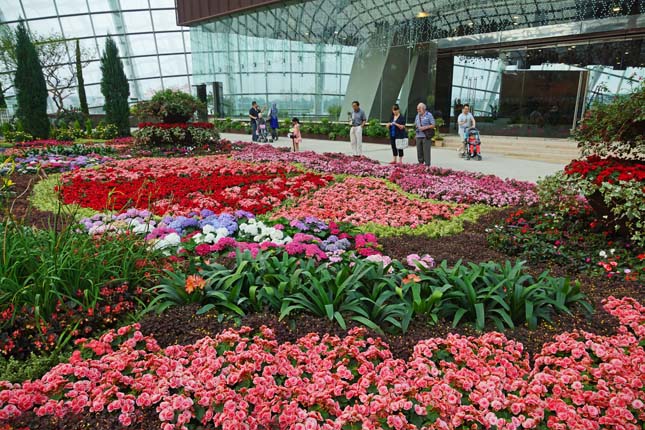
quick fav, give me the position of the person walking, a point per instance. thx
(253, 115)
(397, 131)
(424, 126)
(274, 123)
(466, 121)
(358, 120)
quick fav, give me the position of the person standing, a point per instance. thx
(253, 115)
(424, 126)
(295, 135)
(397, 131)
(358, 120)
(466, 121)
(274, 123)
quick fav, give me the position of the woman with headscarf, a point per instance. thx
(273, 121)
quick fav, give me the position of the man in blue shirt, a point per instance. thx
(424, 125)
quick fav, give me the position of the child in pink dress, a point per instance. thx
(295, 135)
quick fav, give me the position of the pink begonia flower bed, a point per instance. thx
(579, 381)
(367, 200)
(434, 183)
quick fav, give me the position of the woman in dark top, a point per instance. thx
(397, 130)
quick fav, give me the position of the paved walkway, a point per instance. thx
(492, 163)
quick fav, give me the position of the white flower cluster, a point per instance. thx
(261, 233)
(171, 240)
(210, 234)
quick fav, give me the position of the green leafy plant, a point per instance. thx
(169, 106)
(57, 281)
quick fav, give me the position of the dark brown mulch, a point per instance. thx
(471, 245)
(20, 208)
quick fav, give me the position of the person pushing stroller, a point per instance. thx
(467, 125)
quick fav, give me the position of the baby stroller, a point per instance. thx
(263, 133)
(472, 145)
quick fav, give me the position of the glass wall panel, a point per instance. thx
(148, 87)
(164, 19)
(137, 22)
(177, 83)
(105, 23)
(76, 26)
(134, 4)
(71, 7)
(169, 43)
(130, 22)
(38, 8)
(11, 10)
(142, 44)
(45, 27)
(173, 64)
(146, 66)
(100, 5)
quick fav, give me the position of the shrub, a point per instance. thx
(334, 112)
(105, 131)
(176, 135)
(68, 117)
(374, 129)
(614, 188)
(169, 106)
(616, 129)
(18, 136)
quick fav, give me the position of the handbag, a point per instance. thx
(401, 143)
(429, 133)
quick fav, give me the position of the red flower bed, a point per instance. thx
(166, 126)
(580, 381)
(610, 170)
(181, 185)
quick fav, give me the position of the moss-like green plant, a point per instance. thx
(45, 198)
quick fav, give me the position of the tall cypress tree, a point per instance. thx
(31, 90)
(115, 88)
(80, 81)
(3, 102)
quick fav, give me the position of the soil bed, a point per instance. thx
(20, 206)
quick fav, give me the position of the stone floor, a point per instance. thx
(506, 157)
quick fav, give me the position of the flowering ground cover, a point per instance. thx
(182, 185)
(580, 381)
(434, 183)
(206, 234)
(361, 201)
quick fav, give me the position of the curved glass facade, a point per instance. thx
(156, 52)
(523, 65)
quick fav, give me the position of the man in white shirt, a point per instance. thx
(466, 121)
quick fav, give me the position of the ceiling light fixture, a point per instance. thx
(423, 14)
(616, 8)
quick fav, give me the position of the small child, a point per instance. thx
(294, 134)
(474, 147)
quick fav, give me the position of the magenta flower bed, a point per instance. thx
(579, 381)
(434, 183)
